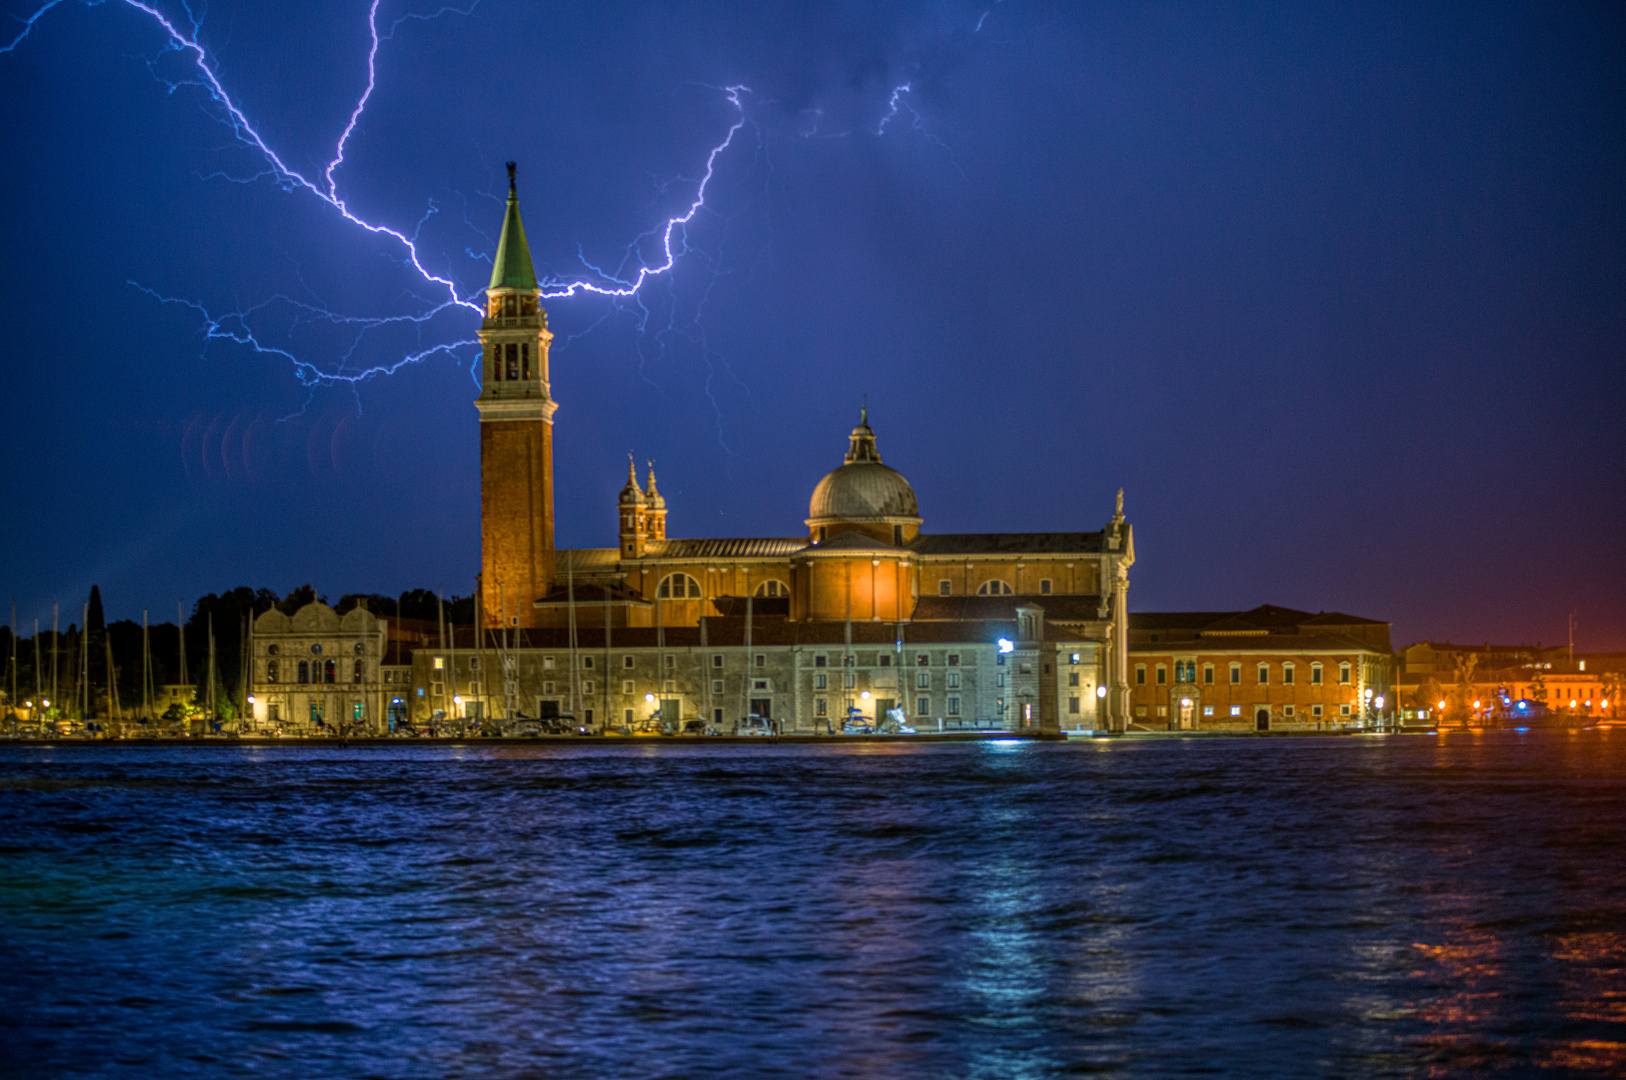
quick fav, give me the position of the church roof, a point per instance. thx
(1083, 543)
(512, 268)
(771, 547)
(862, 488)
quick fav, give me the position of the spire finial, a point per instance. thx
(1118, 510)
(632, 469)
(863, 411)
(511, 185)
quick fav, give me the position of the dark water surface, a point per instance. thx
(1296, 907)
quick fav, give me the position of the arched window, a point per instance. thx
(525, 361)
(496, 363)
(773, 588)
(513, 363)
(995, 587)
(271, 671)
(329, 670)
(678, 587)
(358, 670)
(304, 671)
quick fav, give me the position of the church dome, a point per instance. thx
(863, 489)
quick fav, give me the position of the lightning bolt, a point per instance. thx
(234, 327)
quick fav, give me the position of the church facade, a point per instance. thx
(863, 609)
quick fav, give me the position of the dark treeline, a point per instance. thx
(29, 661)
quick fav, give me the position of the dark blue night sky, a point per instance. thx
(1335, 292)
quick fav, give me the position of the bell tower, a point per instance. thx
(516, 434)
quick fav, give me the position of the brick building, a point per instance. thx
(1268, 669)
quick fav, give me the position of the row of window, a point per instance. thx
(1236, 710)
(322, 671)
(992, 587)
(275, 649)
(923, 706)
(1186, 671)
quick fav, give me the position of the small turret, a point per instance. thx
(633, 509)
(656, 510)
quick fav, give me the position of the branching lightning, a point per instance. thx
(234, 327)
(622, 286)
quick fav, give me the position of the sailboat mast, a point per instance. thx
(146, 668)
(570, 594)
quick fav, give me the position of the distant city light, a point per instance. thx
(1005, 645)
(1100, 691)
(865, 695)
(649, 698)
(1378, 701)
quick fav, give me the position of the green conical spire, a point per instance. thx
(512, 267)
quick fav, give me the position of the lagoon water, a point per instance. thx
(1396, 906)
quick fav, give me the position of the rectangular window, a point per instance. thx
(626, 661)
(923, 706)
(849, 680)
(820, 660)
(759, 684)
(1162, 710)
(717, 686)
(587, 663)
(1072, 658)
(671, 663)
(1315, 674)
(943, 587)
(1073, 706)
(849, 660)
(1072, 678)
(1044, 586)
(1236, 710)
(819, 680)
(923, 681)
(1208, 674)
(1343, 674)
(474, 663)
(1162, 675)
(716, 659)
(670, 687)
(886, 659)
(1140, 674)
(762, 660)
(1287, 674)
(1287, 710)
(953, 707)
(440, 663)
(1140, 710)
(821, 707)
(953, 680)
(629, 717)
(1315, 711)
(954, 659)
(922, 660)
(587, 686)
(1236, 676)
(547, 688)
(626, 686)
(1264, 674)
(1343, 710)
(1208, 710)
(547, 663)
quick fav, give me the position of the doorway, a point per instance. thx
(763, 707)
(1261, 720)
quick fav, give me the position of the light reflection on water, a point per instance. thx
(1378, 907)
